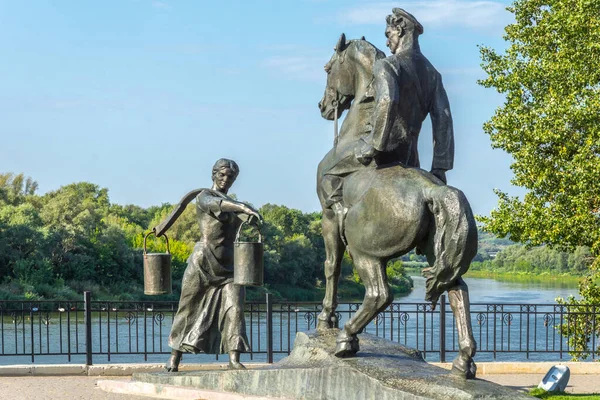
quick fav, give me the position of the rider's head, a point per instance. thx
(224, 173)
(401, 24)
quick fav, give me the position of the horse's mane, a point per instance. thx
(366, 49)
(364, 53)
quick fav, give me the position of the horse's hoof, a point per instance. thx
(347, 346)
(326, 321)
(464, 368)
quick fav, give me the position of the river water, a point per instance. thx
(484, 290)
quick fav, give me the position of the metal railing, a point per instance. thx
(101, 331)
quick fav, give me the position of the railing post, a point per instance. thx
(269, 329)
(87, 299)
(443, 328)
(32, 335)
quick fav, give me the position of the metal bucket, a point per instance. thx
(157, 271)
(248, 265)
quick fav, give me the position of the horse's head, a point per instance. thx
(350, 67)
(340, 82)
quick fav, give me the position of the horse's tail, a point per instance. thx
(454, 243)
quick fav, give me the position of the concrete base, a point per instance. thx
(170, 392)
(383, 370)
(483, 368)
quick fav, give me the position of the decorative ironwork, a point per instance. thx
(404, 317)
(560, 308)
(424, 307)
(130, 317)
(481, 318)
(378, 319)
(309, 317)
(494, 308)
(548, 319)
(158, 318)
(528, 308)
(17, 318)
(518, 329)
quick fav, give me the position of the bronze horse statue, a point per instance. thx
(392, 209)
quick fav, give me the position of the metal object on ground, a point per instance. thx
(248, 257)
(556, 379)
(157, 271)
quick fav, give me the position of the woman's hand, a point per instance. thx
(254, 216)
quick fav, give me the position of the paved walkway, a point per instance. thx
(84, 387)
(57, 388)
(524, 382)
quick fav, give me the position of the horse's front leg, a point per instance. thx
(334, 252)
(463, 364)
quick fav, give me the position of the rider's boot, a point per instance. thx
(340, 213)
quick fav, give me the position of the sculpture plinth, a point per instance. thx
(383, 370)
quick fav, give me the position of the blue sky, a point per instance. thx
(142, 96)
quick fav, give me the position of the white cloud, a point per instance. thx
(481, 15)
(160, 4)
(297, 67)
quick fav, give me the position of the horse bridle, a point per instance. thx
(335, 103)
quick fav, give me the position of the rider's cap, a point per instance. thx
(399, 14)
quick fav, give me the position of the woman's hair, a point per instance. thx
(226, 163)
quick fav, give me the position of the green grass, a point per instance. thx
(563, 279)
(542, 394)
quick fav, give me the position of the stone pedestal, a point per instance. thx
(382, 370)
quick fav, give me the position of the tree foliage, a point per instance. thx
(519, 259)
(73, 238)
(550, 124)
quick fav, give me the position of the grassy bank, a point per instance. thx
(563, 280)
(526, 277)
(542, 394)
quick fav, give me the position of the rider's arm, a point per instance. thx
(386, 100)
(442, 128)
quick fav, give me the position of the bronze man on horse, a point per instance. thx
(405, 89)
(392, 207)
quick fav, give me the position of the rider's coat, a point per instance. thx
(407, 88)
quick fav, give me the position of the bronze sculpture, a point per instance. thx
(402, 90)
(391, 208)
(210, 316)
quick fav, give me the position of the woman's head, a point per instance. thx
(224, 173)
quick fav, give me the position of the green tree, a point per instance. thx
(550, 124)
(15, 188)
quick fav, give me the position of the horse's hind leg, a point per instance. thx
(463, 364)
(334, 251)
(378, 296)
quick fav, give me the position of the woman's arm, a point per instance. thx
(228, 205)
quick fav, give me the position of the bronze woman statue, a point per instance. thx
(210, 317)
